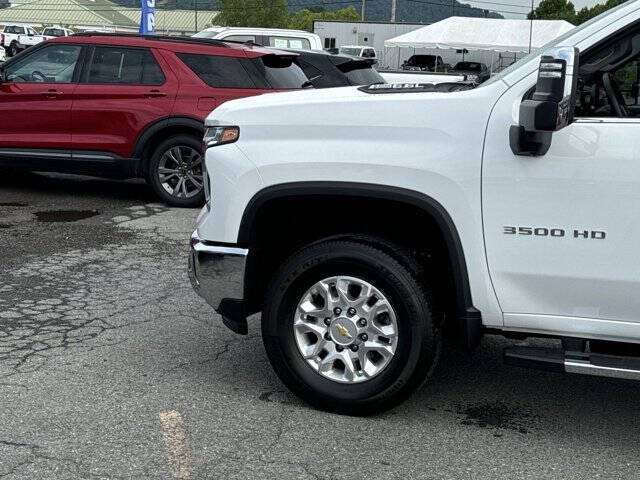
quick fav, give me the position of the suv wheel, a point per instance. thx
(13, 50)
(175, 171)
(349, 328)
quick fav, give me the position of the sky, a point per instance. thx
(526, 5)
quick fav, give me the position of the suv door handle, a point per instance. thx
(52, 93)
(155, 94)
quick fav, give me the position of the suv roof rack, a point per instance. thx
(169, 38)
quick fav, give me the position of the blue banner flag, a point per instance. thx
(148, 17)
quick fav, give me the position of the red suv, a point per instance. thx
(128, 106)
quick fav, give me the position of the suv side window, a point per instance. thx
(124, 66)
(218, 71)
(54, 63)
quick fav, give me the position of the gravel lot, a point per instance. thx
(112, 368)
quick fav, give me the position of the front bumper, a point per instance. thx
(217, 274)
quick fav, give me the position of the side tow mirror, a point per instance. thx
(551, 106)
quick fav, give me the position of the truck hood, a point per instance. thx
(283, 107)
(310, 96)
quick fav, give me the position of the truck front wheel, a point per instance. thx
(349, 328)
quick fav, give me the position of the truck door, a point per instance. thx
(562, 230)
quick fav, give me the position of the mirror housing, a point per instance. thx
(552, 104)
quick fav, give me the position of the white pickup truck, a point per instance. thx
(365, 222)
(15, 38)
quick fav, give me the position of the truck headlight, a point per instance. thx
(214, 136)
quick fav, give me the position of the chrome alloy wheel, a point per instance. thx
(346, 329)
(180, 172)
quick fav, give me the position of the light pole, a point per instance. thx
(394, 6)
(362, 11)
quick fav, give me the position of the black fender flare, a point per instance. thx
(161, 124)
(469, 318)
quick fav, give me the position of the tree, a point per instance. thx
(254, 13)
(5, 4)
(303, 19)
(564, 10)
(554, 10)
(587, 13)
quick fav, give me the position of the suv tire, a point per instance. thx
(13, 49)
(417, 339)
(177, 165)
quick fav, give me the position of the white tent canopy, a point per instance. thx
(500, 35)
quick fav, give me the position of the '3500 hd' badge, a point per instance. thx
(555, 232)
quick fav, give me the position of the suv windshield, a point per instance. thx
(360, 73)
(280, 72)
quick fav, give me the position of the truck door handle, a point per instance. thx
(155, 94)
(52, 93)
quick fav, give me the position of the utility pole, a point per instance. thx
(394, 5)
(453, 8)
(362, 11)
(196, 15)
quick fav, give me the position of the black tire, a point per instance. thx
(153, 178)
(13, 50)
(418, 341)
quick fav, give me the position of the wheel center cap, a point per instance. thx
(343, 331)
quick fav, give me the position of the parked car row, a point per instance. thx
(131, 106)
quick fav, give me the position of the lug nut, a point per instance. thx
(327, 321)
(327, 336)
(337, 310)
(351, 312)
(354, 348)
(362, 322)
(339, 348)
(364, 337)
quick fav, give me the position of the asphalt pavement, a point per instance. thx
(112, 368)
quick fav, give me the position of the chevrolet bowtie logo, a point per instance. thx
(343, 331)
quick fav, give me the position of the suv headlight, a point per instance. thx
(214, 136)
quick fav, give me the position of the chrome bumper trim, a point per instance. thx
(217, 272)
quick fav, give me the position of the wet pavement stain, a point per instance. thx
(498, 416)
(51, 216)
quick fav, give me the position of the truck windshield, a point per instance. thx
(554, 43)
(421, 60)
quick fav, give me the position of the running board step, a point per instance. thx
(558, 360)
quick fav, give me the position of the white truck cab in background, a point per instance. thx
(268, 37)
(358, 51)
(364, 222)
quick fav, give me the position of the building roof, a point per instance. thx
(100, 14)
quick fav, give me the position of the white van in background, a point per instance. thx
(268, 37)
